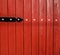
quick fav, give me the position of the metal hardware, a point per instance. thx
(34, 19)
(27, 19)
(41, 19)
(56, 20)
(48, 19)
(10, 19)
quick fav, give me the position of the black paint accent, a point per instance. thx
(10, 19)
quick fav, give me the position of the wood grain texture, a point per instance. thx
(27, 27)
(4, 30)
(56, 27)
(19, 27)
(35, 27)
(42, 27)
(37, 34)
(50, 27)
(11, 27)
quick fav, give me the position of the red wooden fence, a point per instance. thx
(38, 34)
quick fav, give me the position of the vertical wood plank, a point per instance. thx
(35, 27)
(4, 32)
(59, 21)
(56, 27)
(42, 27)
(19, 28)
(0, 23)
(59, 25)
(50, 27)
(12, 34)
(27, 27)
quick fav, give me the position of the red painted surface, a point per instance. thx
(50, 27)
(37, 34)
(57, 27)
(42, 27)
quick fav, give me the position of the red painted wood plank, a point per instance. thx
(0, 23)
(58, 6)
(12, 29)
(19, 28)
(4, 32)
(35, 27)
(50, 27)
(42, 27)
(56, 27)
(59, 20)
(27, 27)
(4, 39)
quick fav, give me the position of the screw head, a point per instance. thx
(18, 19)
(56, 20)
(34, 19)
(10, 19)
(48, 19)
(41, 19)
(2, 18)
(26, 19)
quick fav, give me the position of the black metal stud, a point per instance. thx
(19, 19)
